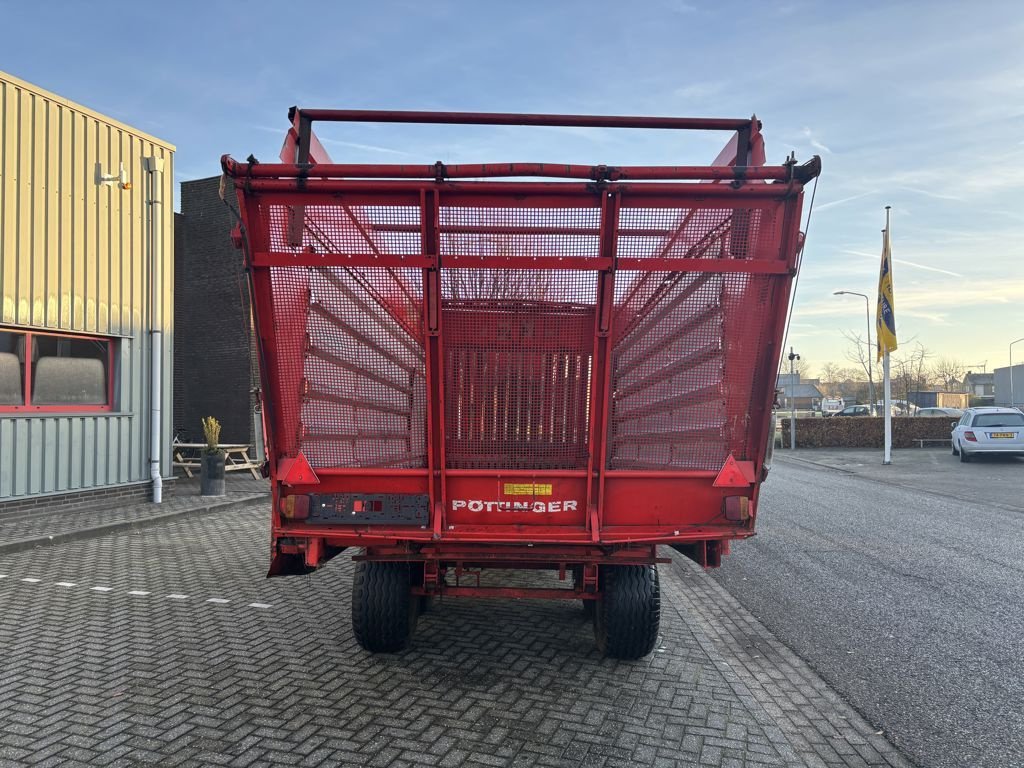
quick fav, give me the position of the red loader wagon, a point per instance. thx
(516, 365)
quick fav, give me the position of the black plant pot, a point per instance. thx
(211, 474)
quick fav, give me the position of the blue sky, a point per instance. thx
(915, 105)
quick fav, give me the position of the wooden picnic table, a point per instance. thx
(186, 456)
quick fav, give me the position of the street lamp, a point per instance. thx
(1011, 371)
(793, 357)
(867, 314)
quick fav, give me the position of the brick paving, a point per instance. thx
(39, 524)
(149, 671)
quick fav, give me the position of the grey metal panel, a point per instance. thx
(63, 455)
(74, 256)
(6, 465)
(20, 457)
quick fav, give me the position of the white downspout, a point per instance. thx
(155, 167)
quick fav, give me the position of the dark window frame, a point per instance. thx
(27, 383)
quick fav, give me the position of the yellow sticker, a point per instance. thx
(527, 489)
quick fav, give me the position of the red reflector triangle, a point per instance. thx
(732, 475)
(296, 471)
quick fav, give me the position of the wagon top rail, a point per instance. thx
(309, 159)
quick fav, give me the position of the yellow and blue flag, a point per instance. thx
(885, 319)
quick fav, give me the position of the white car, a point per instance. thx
(988, 430)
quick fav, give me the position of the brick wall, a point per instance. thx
(864, 431)
(213, 359)
(129, 493)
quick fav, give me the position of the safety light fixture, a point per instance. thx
(120, 178)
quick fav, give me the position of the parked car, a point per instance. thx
(988, 430)
(832, 405)
(855, 410)
(953, 413)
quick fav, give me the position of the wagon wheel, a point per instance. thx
(383, 608)
(628, 613)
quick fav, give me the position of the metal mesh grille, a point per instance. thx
(518, 344)
(716, 233)
(345, 229)
(518, 347)
(682, 382)
(350, 370)
(525, 231)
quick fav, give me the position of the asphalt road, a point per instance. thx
(909, 603)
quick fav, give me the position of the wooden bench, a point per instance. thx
(186, 456)
(922, 440)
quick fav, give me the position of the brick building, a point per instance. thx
(214, 361)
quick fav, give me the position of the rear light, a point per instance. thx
(295, 507)
(970, 436)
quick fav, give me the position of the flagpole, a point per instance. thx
(886, 383)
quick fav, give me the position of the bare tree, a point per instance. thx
(830, 376)
(909, 370)
(860, 353)
(949, 373)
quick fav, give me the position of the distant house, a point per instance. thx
(980, 384)
(794, 393)
(936, 399)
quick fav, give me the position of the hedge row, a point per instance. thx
(864, 431)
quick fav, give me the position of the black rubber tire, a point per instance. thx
(383, 609)
(964, 458)
(955, 451)
(628, 613)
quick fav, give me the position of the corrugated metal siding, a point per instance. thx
(74, 257)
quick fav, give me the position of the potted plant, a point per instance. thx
(211, 469)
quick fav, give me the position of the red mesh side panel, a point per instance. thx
(698, 233)
(518, 346)
(342, 229)
(687, 346)
(289, 290)
(364, 402)
(524, 231)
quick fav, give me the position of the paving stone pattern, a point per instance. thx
(38, 524)
(274, 677)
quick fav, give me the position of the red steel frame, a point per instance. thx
(28, 407)
(684, 508)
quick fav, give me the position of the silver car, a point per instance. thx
(988, 430)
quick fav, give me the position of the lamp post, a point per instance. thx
(867, 315)
(1012, 401)
(793, 357)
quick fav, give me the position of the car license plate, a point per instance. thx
(997, 435)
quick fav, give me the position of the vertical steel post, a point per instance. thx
(793, 357)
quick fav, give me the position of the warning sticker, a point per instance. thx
(527, 489)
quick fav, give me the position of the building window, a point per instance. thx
(41, 371)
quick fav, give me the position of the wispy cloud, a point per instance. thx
(833, 203)
(814, 141)
(928, 193)
(363, 147)
(904, 262)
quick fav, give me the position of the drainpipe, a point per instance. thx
(155, 168)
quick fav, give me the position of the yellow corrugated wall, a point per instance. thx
(74, 256)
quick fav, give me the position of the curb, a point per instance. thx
(125, 525)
